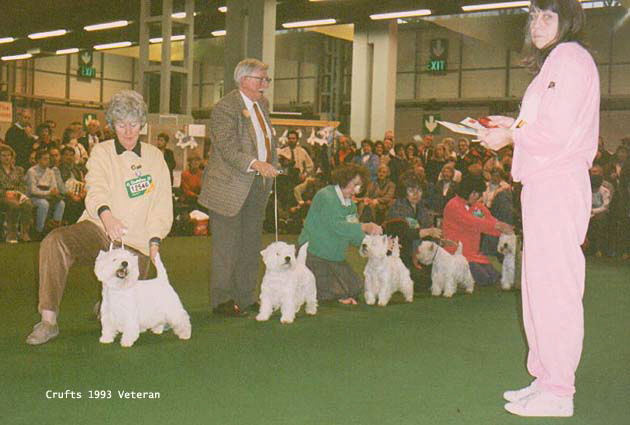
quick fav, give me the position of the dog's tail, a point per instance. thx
(301, 258)
(460, 248)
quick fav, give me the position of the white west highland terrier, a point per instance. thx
(507, 247)
(384, 272)
(287, 283)
(448, 270)
(131, 306)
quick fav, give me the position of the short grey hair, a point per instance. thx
(246, 67)
(126, 105)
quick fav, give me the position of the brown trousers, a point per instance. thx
(80, 243)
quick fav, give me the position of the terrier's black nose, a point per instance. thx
(287, 259)
(124, 264)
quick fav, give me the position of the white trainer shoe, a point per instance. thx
(542, 404)
(516, 395)
(42, 333)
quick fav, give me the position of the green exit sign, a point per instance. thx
(87, 72)
(437, 65)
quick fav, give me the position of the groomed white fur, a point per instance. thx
(287, 283)
(131, 306)
(448, 270)
(384, 272)
(507, 247)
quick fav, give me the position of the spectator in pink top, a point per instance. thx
(555, 141)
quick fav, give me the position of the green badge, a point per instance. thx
(139, 186)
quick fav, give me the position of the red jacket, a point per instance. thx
(465, 224)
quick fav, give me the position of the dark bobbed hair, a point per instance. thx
(398, 147)
(343, 174)
(67, 149)
(470, 184)
(409, 180)
(163, 136)
(367, 142)
(40, 129)
(415, 148)
(293, 132)
(571, 21)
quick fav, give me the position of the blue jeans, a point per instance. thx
(43, 206)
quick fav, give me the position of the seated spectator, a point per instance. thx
(13, 199)
(44, 138)
(295, 160)
(73, 178)
(367, 159)
(495, 185)
(411, 151)
(45, 193)
(444, 188)
(191, 181)
(344, 152)
(381, 152)
(169, 156)
(435, 163)
(410, 207)
(377, 199)
(332, 225)
(597, 234)
(71, 139)
(398, 164)
(465, 220)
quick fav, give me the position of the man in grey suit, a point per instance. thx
(236, 187)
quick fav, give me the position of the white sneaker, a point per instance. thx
(42, 333)
(542, 404)
(519, 394)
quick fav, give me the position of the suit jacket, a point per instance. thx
(85, 141)
(226, 181)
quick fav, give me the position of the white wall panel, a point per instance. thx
(47, 84)
(285, 91)
(438, 86)
(620, 81)
(483, 83)
(307, 90)
(519, 80)
(118, 67)
(477, 54)
(406, 51)
(405, 86)
(51, 63)
(111, 87)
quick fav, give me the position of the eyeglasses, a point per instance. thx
(261, 79)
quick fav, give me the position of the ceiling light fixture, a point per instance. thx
(47, 34)
(7, 40)
(396, 15)
(106, 26)
(17, 57)
(173, 38)
(67, 51)
(179, 15)
(218, 33)
(112, 45)
(314, 23)
(491, 6)
(223, 9)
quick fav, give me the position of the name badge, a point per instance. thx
(478, 213)
(352, 218)
(139, 186)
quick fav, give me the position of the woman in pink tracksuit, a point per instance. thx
(555, 140)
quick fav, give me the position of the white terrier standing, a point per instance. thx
(507, 247)
(287, 283)
(131, 306)
(384, 272)
(448, 270)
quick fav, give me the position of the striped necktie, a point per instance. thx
(263, 127)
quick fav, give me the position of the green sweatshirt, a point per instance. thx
(330, 226)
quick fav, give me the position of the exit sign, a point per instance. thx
(438, 56)
(86, 70)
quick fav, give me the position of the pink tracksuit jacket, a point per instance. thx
(554, 146)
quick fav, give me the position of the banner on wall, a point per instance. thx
(6, 112)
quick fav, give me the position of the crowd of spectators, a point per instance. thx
(42, 183)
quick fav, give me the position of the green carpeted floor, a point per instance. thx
(434, 362)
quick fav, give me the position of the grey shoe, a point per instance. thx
(42, 333)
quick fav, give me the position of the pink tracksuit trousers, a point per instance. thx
(554, 147)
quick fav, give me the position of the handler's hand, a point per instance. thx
(114, 228)
(501, 121)
(154, 249)
(265, 169)
(371, 229)
(502, 227)
(495, 138)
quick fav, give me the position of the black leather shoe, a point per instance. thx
(229, 309)
(254, 308)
